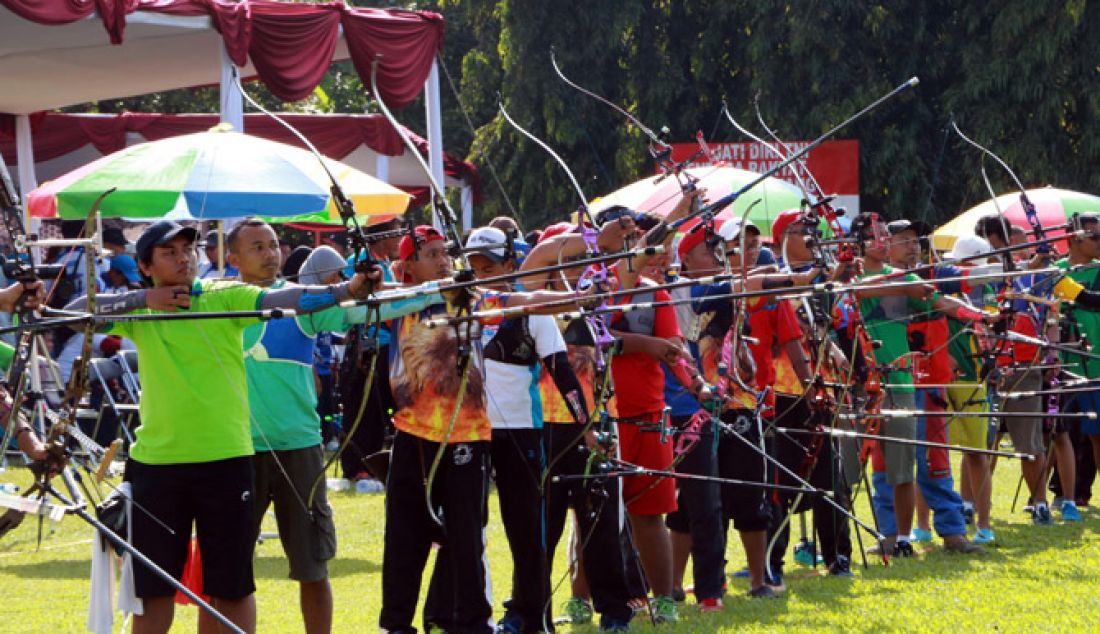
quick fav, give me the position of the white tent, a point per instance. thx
(54, 61)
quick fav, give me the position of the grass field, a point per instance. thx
(1036, 579)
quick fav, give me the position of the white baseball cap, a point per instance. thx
(490, 242)
(730, 230)
(969, 247)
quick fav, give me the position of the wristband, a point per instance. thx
(967, 313)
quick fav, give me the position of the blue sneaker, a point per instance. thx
(740, 574)
(1070, 512)
(775, 579)
(804, 554)
(921, 536)
(510, 624)
(984, 536)
(1041, 515)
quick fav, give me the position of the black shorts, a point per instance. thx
(214, 496)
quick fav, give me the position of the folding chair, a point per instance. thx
(102, 372)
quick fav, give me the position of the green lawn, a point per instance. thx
(1037, 579)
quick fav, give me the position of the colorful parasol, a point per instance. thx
(659, 195)
(1054, 207)
(213, 175)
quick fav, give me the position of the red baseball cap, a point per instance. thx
(695, 236)
(424, 234)
(784, 220)
(556, 229)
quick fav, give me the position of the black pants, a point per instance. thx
(370, 435)
(745, 506)
(699, 512)
(519, 459)
(824, 472)
(598, 507)
(459, 495)
(1086, 466)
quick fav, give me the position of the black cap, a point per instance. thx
(897, 226)
(159, 233)
(114, 235)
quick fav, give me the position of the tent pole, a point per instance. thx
(467, 206)
(231, 108)
(221, 248)
(28, 180)
(435, 127)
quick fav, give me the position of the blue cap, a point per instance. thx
(127, 266)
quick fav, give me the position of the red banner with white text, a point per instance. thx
(835, 164)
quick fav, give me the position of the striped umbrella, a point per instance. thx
(213, 175)
(1053, 206)
(659, 194)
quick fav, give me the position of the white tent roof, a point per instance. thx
(51, 66)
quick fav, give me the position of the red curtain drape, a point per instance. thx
(290, 44)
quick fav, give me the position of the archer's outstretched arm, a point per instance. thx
(1072, 290)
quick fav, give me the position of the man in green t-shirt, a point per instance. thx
(1082, 323)
(191, 461)
(887, 313)
(282, 399)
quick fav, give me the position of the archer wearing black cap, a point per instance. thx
(191, 462)
(210, 268)
(115, 241)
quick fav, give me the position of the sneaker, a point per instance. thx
(921, 536)
(984, 536)
(1070, 512)
(1029, 507)
(1041, 515)
(614, 625)
(578, 611)
(369, 485)
(885, 546)
(804, 554)
(842, 567)
(640, 605)
(741, 574)
(904, 549)
(678, 595)
(664, 610)
(691, 590)
(711, 604)
(960, 544)
(968, 513)
(510, 624)
(763, 592)
(775, 580)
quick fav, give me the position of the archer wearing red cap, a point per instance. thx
(793, 253)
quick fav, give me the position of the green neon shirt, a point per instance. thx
(194, 403)
(887, 319)
(1085, 322)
